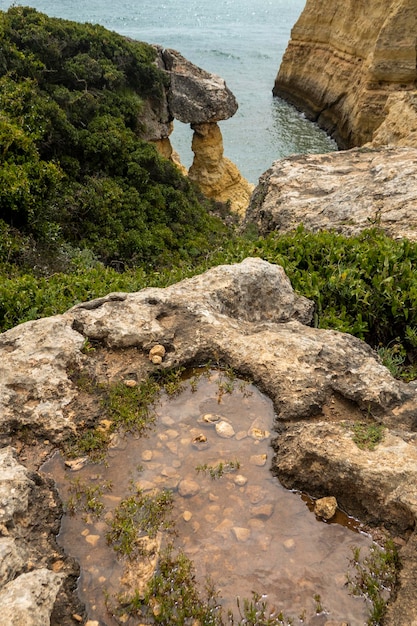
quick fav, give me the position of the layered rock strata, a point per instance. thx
(246, 316)
(345, 60)
(342, 191)
(201, 99)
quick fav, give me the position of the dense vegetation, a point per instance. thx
(87, 207)
(74, 169)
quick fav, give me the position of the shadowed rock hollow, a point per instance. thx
(246, 316)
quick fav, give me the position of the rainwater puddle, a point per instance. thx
(242, 529)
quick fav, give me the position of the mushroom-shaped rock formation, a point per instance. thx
(202, 99)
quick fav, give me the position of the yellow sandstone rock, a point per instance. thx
(345, 59)
(217, 177)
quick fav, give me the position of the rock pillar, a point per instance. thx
(201, 99)
(217, 177)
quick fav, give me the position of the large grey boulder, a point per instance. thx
(343, 191)
(194, 95)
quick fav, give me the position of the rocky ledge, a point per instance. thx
(246, 316)
(343, 191)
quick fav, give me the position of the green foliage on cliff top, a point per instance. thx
(73, 169)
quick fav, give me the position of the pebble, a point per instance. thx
(172, 434)
(241, 534)
(172, 447)
(130, 382)
(225, 430)
(258, 459)
(289, 544)
(325, 507)
(262, 511)
(257, 433)
(188, 488)
(187, 515)
(92, 539)
(76, 464)
(240, 480)
(242, 434)
(211, 418)
(166, 420)
(146, 455)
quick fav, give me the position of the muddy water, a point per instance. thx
(242, 529)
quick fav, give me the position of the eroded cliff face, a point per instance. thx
(345, 59)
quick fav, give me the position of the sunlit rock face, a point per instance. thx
(217, 176)
(345, 59)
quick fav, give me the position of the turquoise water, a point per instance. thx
(241, 40)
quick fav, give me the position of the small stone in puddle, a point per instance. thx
(200, 442)
(225, 430)
(211, 418)
(242, 434)
(255, 493)
(240, 480)
(289, 544)
(166, 420)
(262, 511)
(241, 534)
(188, 488)
(146, 455)
(257, 433)
(325, 507)
(187, 515)
(172, 447)
(258, 459)
(92, 539)
(76, 464)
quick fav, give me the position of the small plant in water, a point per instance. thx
(172, 596)
(86, 497)
(217, 471)
(374, 577)
(256, 612)
(137, 518)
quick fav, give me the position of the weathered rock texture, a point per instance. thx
(201, 99)
(343, 191)
(345, 59)
(246, 316)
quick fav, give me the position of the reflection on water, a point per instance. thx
(242, 529)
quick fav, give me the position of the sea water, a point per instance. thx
(243, 41)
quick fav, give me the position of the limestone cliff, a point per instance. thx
(345, 59)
